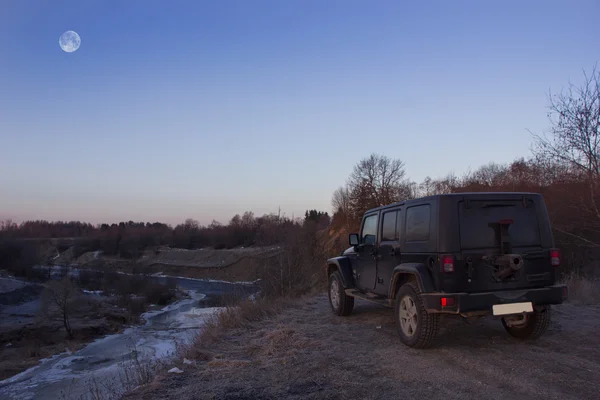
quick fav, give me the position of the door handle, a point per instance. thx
(393, 253)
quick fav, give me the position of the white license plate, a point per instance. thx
(512, 308)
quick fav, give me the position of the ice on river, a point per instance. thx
(101, 360)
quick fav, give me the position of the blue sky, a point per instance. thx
(204, 109)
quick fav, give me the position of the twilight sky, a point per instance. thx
(203, 109)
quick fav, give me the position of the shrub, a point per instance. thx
(239, 316)
(158, 293)
(90, 280)
(582, 289)
(297, 268)
(59, 301)
(20, 258)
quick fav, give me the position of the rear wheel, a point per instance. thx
(341, 303)
(415, 326)
(530, 326)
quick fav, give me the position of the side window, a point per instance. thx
(399, 225)
(369, 230)
(388, 229)
(417, 223)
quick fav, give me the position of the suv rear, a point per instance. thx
(470, 254)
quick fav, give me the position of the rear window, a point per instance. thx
(388, 229)
(475, 231)
(417, 223)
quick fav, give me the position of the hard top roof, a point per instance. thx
(463, 194)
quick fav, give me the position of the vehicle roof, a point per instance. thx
(450, 195)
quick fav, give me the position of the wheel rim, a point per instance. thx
(408, 316)
(334, 294)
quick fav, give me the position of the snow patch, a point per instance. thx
(195, 318)
(163, 349)
(93, 291)
(162, 275)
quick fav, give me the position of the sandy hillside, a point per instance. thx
(203, 258)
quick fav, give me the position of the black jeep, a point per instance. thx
(470, 254)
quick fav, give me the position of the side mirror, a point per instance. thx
(353, 237)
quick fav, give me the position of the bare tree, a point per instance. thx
(215, 224)
(427, 187)
(340, 201)
(574, 136)
(236, 221)
(191, 224)
(573, 143)
(489, 175)
(248, 220)
(377, 180)
(58, 302)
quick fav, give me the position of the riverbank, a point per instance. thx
(105, 362)
(108, 306)
(28, 334)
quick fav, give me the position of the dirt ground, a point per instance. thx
(308, 353)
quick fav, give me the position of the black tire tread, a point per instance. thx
(535, 329)
(346, 302)
(429, 323)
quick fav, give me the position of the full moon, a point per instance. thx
(69, 41)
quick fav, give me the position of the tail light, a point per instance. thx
(555, 257)
(447, 263)
(447, 301)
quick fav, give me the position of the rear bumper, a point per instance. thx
(482, 302)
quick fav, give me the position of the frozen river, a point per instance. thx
(68, 375)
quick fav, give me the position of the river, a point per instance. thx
(69, 375)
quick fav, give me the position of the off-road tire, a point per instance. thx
(344, 304)
(537, 324)
(426, 324)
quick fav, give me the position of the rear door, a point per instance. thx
(389, 249)
(492, 227)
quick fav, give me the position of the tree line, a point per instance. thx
(130, 239)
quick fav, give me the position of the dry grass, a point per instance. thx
(582, 289)
(237, 316)
(134, 371)
(212, 351)
(284, 343)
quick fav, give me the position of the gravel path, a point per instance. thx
(308, 353)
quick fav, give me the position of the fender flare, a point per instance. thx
(343, 265)
(418, 270)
